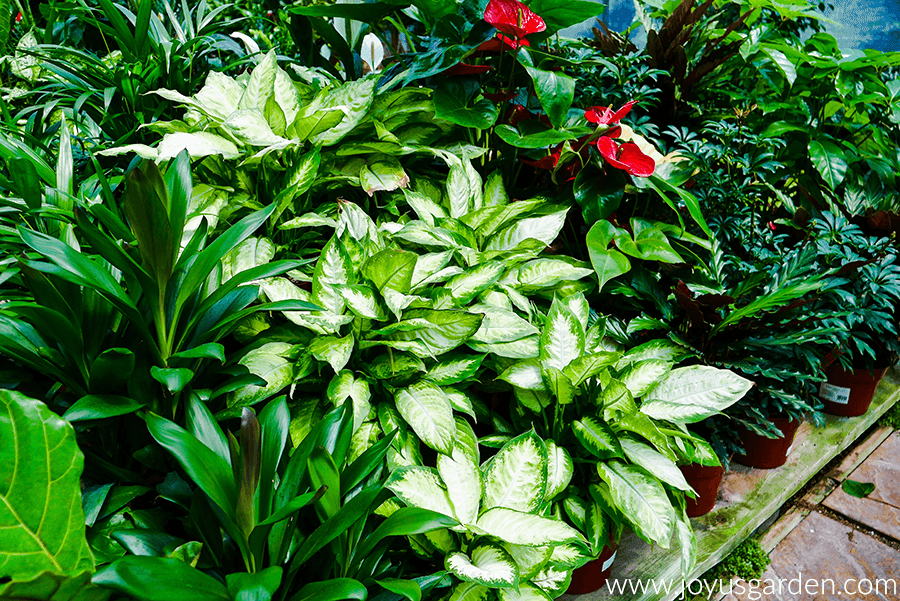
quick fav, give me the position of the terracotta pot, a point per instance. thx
(705, 480)
(593, 575)
(849, 393)
(767, 453)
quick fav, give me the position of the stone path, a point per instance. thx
(832, 546)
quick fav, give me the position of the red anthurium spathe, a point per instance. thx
(514, 19)
(628, 157)
(605, 115)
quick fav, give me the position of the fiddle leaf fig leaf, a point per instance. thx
(40, 492)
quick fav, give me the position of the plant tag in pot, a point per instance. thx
(608, 562)
(835, 394)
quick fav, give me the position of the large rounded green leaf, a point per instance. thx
(830, 161)
(160, 579)
(40, 493)
(516, 476)
(691, 394)
(54, 587)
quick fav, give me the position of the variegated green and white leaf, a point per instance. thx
(691, 394)
(420, 486)
(455, 369)
(516, 477)
(642, 377)
(562, 340)
(470, 591)
(494, 192)
(559, 385)
(597, 437)
(588, 366)
(448, 329)
(427, 409)
(529, 559)
(541, 274)
(459, 191)
(659, 349)
(579, 307)
(426, 209)
(443, 275)
(568, 556)
(500, 325)
(333, 350)
(261, 83)
(545, 229)
(560, 469)
(332, 268)
(654, 462)
(365, 435)
(522, 528)
(250, 253)
(308, 220)
(524, 374)
(343, 386)
(533, 400)
(526, 348)
(687, 540)
(357, 222)
(489, 565)
(460, 401)
(419, 232)
(506, 215)
(462, 477)
(391, 365)
(362, 301)
(553, 581)
(469, 284)
(526, 592)
(641, 499)
(428, 264)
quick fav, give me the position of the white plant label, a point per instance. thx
(608, 562)
(835, 394)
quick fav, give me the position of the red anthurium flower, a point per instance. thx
(627, 157)
(19, 17)
(606, 116)
(514, 19)
(465, 69)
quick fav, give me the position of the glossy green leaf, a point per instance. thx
(159, 579)
(335, 589)
(461, 103)
(597, 437)
(608, 263)
(830, 161)
(101, 406)
(427, 409)
(256, 586)
(408, 589)
(641, 499)
(555, 90)
(48, 586)
(857, 489)
(40, 491)
(173, 378)
(210, 350)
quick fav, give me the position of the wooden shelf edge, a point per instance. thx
(748, 498)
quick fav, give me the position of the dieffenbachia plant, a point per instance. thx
(507, 539)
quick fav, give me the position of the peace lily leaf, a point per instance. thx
(830, 161)
(521, 528)
(597, 438)
(555, 90)
(333, 350)
(174, 379)
(606, 262)
(101, 406)
(427, 409)
(462, 478)
(560, 469)
(258, 586)
(655, 463)
(40, 492)
(490, 565)
(160, 579)
(419, 486)
(562, 339)
(691, 394)
(642, 500)
(516, 477)
(857, 489)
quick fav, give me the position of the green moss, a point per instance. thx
(748, 561)
(891, 419)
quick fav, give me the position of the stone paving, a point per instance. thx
(834, 546)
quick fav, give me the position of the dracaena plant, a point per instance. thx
(620, 419)
(121, 315)
(303, 519)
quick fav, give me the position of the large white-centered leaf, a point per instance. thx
(446, 330)
(470, 591)
(562, 340)
(362, 301)
(553, 580)
(462, 477)
(473, 282)
(560, 469)
(40, 494)
(525, 348)
(219, 96)
(691, 394)
(333, 267)
(643, 376)
(587, 366)
(250, 126)
(654, 462)
(597, 437)
(545, 228)
(333, 350)
(455, 369)
(426, 408)
(419, 486)
(688, 542)
(546, 273)
(500, 325)
(524, 374)
(522, 528)
(516, 476)
(353, 99)
(641, 499)
(260, 84)
(527, 592)
(198, 144)
(490, 565)
(529, 559)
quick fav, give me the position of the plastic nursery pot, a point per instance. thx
(767, 453)
(594, 574)
(705, 480)
(849, 393)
